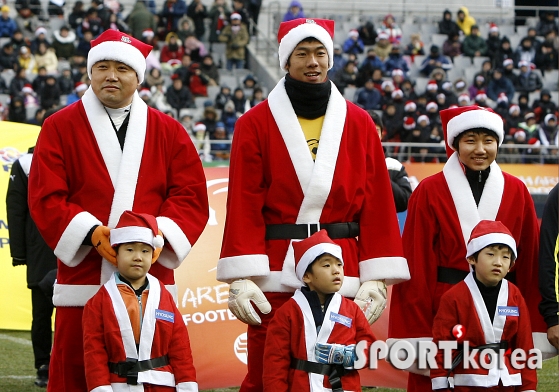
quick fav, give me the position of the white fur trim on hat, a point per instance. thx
(315, 251)
(117, 51)
(290, 41)
(475, 119)
(135, 234)
(479, 243)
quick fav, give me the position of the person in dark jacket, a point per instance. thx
(546, 24)
(447, 26)
(368, 97)
(528, 81)
(367, 33)
(27, 247)
(179, 96)
(544, 105)
(401, 188)
(546, 57)
(548, 273)
(50, 95)
(17, 83)
(197, 12)
(499, 84)
(63, 43)
(8, 60)
(504, 52)
(474, 45)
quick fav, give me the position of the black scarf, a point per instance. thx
(477, 179)
(309, 100)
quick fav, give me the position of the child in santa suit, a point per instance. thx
(310, 344)
(493, 315)
(152, 351)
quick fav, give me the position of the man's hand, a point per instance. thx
(371, 298)
(158, 242)
(553, 336)
(241, 293)
(101, 242)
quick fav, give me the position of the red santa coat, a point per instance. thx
(292, 334)
(441, 215)
(274, 180)
(108, 337)
(80, 178)
(463, 304)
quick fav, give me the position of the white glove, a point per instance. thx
(371, 298)
(241, 292)
(338, 354)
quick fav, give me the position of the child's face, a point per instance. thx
(325, 277)
(492, 264)
(133, 261)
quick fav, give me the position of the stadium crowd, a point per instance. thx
(43, 66)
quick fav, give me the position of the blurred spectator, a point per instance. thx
(209, 119)
(460, 86)
(529, 126)
(46, 57)
(548, 136)
(546, 24)
(210, 70)
(527, 81)
(512, 119)
(30, 100)
(392, 123)
(34, 6)
(84, 43)
(170, 14)
(447, 26)
(503, 52)
(383, 47)
(220, 151)
(368, 97)
(56, 8)
(79, 68)
(523, 103)
(197, 12)
(434, 60)
(395, 60)
(544, 105)
(485, 70)
(63, 43)
(77, 15)
(219, 17)
(154, 78)
(26, 21)
(103, 13)
(481, 99)
(240, 101)
(186, 28)
(499, 84)
(449, 96)
(8, 58)
(179, 96)
(223, 97)
(18, 40)
(502, 105)
(295, 11)
(415, 47)
(524, 52)
(40, 38)
(114, 6)
(346, 77)
(26, 60)
(91, 23)
(7, 25)
(339, 61)
(187, 121)
(17, 112)
(65, 82)
(408, 89)
(240, 8)
(353, 43)
(235, 35)
(367, 33)
(369, 64)
(50, 96)
(257, 97)
(390, 27)
(229, 117)
(464, 20)
(508, 71)
(253, 12)
(40, 80)
(493, 41)
(195, 48)
(184, 70)
(431, 90)
(140, 19)
(146, 95)
(464, 99)
(38, 119)
(546, 57)
(198, 81)
(172, 51)
(452, 46)
(397, 77)
(117, 24)
(249, 84)
(474, 45)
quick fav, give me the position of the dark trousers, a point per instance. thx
(41, 326)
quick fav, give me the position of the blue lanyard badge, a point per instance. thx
(508, 311)
(164, 315)
(341, 319)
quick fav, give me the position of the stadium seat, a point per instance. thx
(4, 99)
(213, 91)
(349, 93)
(550, 79)
(478, 61)
(420, 85)
(438, 39)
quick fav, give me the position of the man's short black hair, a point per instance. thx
(478, 131)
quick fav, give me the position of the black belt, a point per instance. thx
(294, 231)
(334, 372)
(131, 367)
(450, 275)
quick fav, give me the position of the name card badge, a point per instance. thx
(508, 311)
(341, 319)
(164, 315)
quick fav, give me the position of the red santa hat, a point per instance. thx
(523, 63)
(118, 46)
(464, 98)
(387, 83)
(493, 28)
(382, 35)
(520, 135)
(431, 106)
(27, 88)
(80, 86)
(481, 96)
(432, 85)
(309, 249)
(507, 62)
(148, 33)
(488, 232)
(397, 72)
(441, 96)
(447, 85)
(422, 118)
(294, 31)
(40, 30)
(199, 127)
(354, 33)
(502, 98)
(458, 120)
(480, 78)
(410, 106)
(535, 142)
(460, 84)
(236, 15)
(409, 123)
(397, 93)
(136, 227)
(514, 107)
(145, 92)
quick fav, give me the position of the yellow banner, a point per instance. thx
(15, 298)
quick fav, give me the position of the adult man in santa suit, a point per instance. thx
(98, 157)
(442, 212)
(303, 160)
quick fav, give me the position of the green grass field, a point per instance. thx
(17, 373)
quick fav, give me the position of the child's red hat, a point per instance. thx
(309, 249)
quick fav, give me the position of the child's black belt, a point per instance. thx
(294, 231)
(131, 367)
(334, 372)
